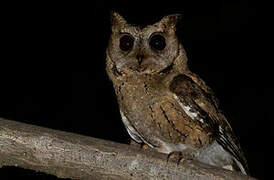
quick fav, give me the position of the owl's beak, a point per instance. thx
(140, 58)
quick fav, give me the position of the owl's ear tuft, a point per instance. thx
(117, 20)
(171, 21)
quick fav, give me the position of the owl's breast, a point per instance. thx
(154, 113)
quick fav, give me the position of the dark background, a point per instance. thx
(53, 67)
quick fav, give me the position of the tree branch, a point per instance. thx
(69, 155)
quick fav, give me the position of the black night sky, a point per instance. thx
(53, 67)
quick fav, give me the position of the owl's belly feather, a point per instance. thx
(156, 118)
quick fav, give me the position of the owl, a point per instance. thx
(162, 103)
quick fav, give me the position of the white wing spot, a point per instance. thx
(193, 115)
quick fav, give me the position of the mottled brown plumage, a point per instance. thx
(162, 103)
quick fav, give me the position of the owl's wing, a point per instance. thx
(198, 99)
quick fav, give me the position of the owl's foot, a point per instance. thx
(133, 143)
(178, 156)
(141, 146)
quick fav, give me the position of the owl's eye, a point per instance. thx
(157, 42)
(126, 43)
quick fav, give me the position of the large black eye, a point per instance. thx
(157, 42)
(126, 43)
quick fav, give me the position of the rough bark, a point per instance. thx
(69, 155)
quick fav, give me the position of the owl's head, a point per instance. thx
(144, 50)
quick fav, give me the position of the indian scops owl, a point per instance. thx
(162, 103)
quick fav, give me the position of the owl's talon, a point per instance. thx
(180, 156)
(133, 143)
(176, 155)
(141, 146)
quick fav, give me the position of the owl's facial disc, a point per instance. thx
(143, 50)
